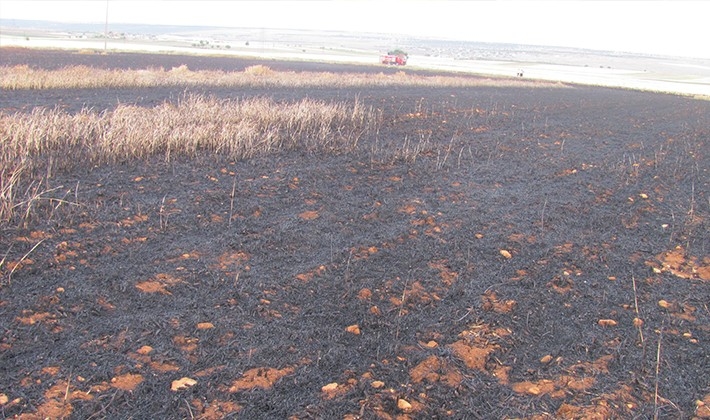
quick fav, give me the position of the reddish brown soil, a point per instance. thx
(548, 256)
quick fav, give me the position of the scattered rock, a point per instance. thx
(404, 405)
(353, 329)
(182, 383)
(330, 387)
(607, 323)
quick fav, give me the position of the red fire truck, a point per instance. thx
(394, 59)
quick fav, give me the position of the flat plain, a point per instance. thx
(515, 249)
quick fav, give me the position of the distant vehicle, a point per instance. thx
(394, 59)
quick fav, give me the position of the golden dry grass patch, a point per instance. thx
(80, 76)
(38, 144)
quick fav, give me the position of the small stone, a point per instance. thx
(182, 383)
(353, 329)
(145, 350)
(330, 387)
(377, 384)
(404, 405)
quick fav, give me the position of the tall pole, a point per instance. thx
(106, 28)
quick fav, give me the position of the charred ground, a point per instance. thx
(545, 256)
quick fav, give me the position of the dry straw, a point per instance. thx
(35, 145)
(25, 77)
(42, 142)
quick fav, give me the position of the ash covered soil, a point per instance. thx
(547, 255)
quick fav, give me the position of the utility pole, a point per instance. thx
(106, 28)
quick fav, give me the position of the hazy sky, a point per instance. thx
(663, 27)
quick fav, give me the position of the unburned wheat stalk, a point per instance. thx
(24, 257)
(72, 77)
(638, 322)
(38, 144)
(658, 368)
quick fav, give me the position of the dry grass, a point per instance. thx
(25, 77)
(38, 144)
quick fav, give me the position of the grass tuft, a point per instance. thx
(74, 77)
(45, 141)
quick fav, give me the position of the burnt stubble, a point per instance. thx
(544, 254)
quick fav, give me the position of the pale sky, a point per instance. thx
(661, 27)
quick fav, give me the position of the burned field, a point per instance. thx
(513, 251)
